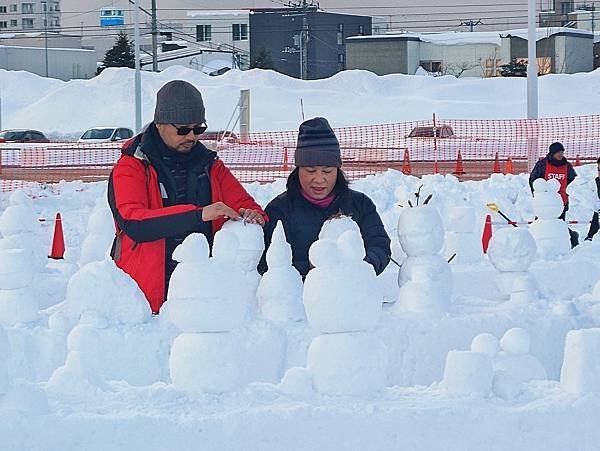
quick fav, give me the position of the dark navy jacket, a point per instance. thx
(302, 222)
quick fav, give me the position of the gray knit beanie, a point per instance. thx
(317, 144)
(179, 102)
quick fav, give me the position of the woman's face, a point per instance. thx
(317, 181)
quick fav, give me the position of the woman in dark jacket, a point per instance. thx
(317, 190)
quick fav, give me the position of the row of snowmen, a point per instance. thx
(337, 296)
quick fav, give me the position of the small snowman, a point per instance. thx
(421, 235)
(19, 228)
(280, 289)
(347, 358)
(551, 234)
(18, 299)
(250, 249)
(515, 359)
(208, 298)
(100, 233)
(461, 240)
(512, 251)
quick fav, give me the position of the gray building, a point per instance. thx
(477, 54)
(64, 64)
(30, 15)
(304, 42)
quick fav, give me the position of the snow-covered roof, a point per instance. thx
(219, 12)
(475, 37)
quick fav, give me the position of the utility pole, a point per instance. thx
(154, 39)
(138, 74)
(46, 33)
(471, 24)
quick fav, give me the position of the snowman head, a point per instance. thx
(547, 203)
(420, 231)
(251, 243)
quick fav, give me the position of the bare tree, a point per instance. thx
(457, 69)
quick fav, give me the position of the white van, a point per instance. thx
(102, 134)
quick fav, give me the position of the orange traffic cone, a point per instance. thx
(508, 167)
(496, 166)
(487, 233)
(285, 159)
(406, 163)
(578, 160)
(436, 167)
(459, 170)
(58, 240)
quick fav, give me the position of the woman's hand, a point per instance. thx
(252, 216)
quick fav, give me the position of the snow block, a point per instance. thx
(205, 363)
(468, 372)
(580, 371)
(351, 364)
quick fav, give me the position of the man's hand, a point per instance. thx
(252, 216)
(219, 210)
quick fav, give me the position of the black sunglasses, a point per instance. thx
(184, 130)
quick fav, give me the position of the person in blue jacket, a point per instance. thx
(317, 189)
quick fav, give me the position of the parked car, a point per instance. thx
(443, 131)
(219, 135)
(23, 136)
(104, 134)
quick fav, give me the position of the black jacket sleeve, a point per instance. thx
(571, 174)
(537, 172)
(376, 239)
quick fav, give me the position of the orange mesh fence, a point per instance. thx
(470, 149)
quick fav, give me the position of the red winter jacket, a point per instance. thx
(142, 223)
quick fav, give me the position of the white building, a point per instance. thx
(31, 15)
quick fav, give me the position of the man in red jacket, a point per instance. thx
(167, 185)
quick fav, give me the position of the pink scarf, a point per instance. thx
(321, 203)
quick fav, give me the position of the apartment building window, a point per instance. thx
(3, 24)
(14, 23)
(13, 8)
(57, 7)
(2, 9)
(240, 32)
(340, 58)
(27, 24)
(203, 32)
(27, 8)
(361, 30)
(55, 22)
(340, 38)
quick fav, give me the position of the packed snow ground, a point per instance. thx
(91, 369)
(83, 365)
(346, 99)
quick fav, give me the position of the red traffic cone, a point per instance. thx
(508, 167)
(406, 169)
(578, 160)
(460, 169)
(58, 240)
(487, 233)
(436, 167)
(496, 166)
